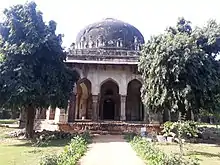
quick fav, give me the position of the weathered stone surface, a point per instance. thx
(119, 127)
(110, 33)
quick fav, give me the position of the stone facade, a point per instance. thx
(99, 84)
(109, 83)
(108, 127)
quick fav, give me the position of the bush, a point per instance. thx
(53, 135)
(72, 152)
(153, 156)
(189, 129)
(49, 160)
(129, 136)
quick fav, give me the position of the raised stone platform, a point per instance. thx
(107, 127)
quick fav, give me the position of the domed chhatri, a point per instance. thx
(110, 33)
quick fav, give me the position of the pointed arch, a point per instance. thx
(109, 79)
(109, 105)
(83, 98)
(134, 105)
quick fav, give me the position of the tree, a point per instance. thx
(33, 73)
(180, 70)
(1, 58)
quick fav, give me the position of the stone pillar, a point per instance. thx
(141, 109)
(60, 116)
(146, 114)
(43, 113)
(95, 108)
(71, 108)
(38, 114)
(50, 114)
(123, 101)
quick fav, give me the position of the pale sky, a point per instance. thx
(149, 16)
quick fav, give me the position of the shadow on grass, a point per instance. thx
(206, 154)
(34, 151)
(51, 143)
(215, 142)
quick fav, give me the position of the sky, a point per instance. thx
(151, 17)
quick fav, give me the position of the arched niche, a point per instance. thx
(109, 104)
(134, 105)
(83, 99)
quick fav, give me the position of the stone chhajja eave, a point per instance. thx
(99, 56)
(102, 62)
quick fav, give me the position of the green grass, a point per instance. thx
(208, 154)
(7, 121)
(22, 152)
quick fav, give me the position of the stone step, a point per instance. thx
(106, 132)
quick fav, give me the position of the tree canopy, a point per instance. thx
(1, 57)
(180, 70)
(33, 72)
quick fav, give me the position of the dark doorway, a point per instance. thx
(134, 105)
(108, 109)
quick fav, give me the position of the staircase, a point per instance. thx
(110, 127)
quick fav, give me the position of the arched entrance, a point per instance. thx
(83, 99)
(109, 109)
(134, 105)
(109, 101)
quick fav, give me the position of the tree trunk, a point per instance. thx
(71, 108)
(180, 134)
(29, 127)
(22, 118)
(192, 115)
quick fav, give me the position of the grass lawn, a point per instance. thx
(7, 121)
(209, 154)
(22, 152)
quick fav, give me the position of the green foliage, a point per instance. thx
(129, 136)
(179, 68)
(189, 129)
(72, 152)
(1, 57)
(168, 129)
(49, 160)
(153, 156)
(33, 71)
(86, 135)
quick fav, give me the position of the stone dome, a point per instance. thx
(110, 34)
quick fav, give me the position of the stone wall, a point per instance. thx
(107, 127)
(97, 74)
(42, 124)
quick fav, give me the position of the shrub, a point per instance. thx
(189, 129)
(153, 156)
(129, 136)
(86, 135)
(49, 160)
(72, 152)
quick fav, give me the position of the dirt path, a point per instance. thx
(110, 150)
